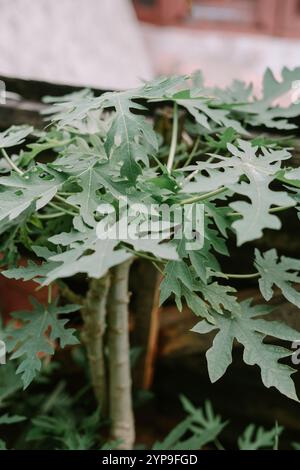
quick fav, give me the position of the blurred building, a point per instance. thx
(275, 17)
(100, 43)
(226, 39)
(94, 43)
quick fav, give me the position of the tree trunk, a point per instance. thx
(145, 309)
(121, 412)
(94, 318)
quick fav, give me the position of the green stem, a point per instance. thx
(241, 276)
(69, 294)
(179, 159)
(11, 163)
(165, 154)
(203, 197)
(149, 258)
(280, 209)
(49, 294)
(52, 400)
(174, 139)
(193, 152)
(61, 199)
(158, 268)
(66, 211)
(50, 216)
(294, 183)
(61, 143)
(218, 444)
(143, 255)
(271, 211)
(65, 194)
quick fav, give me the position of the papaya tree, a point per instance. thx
(172, 172)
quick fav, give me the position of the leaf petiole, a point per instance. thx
(59, 208)
(174, 139)
(11, 163)
(241, 276)
(203, 197)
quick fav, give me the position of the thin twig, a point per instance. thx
(174, 139)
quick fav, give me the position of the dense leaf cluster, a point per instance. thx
(110, 148)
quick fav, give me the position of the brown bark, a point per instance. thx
(94, 318)
(120, 397)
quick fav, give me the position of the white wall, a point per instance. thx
(79, 42)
